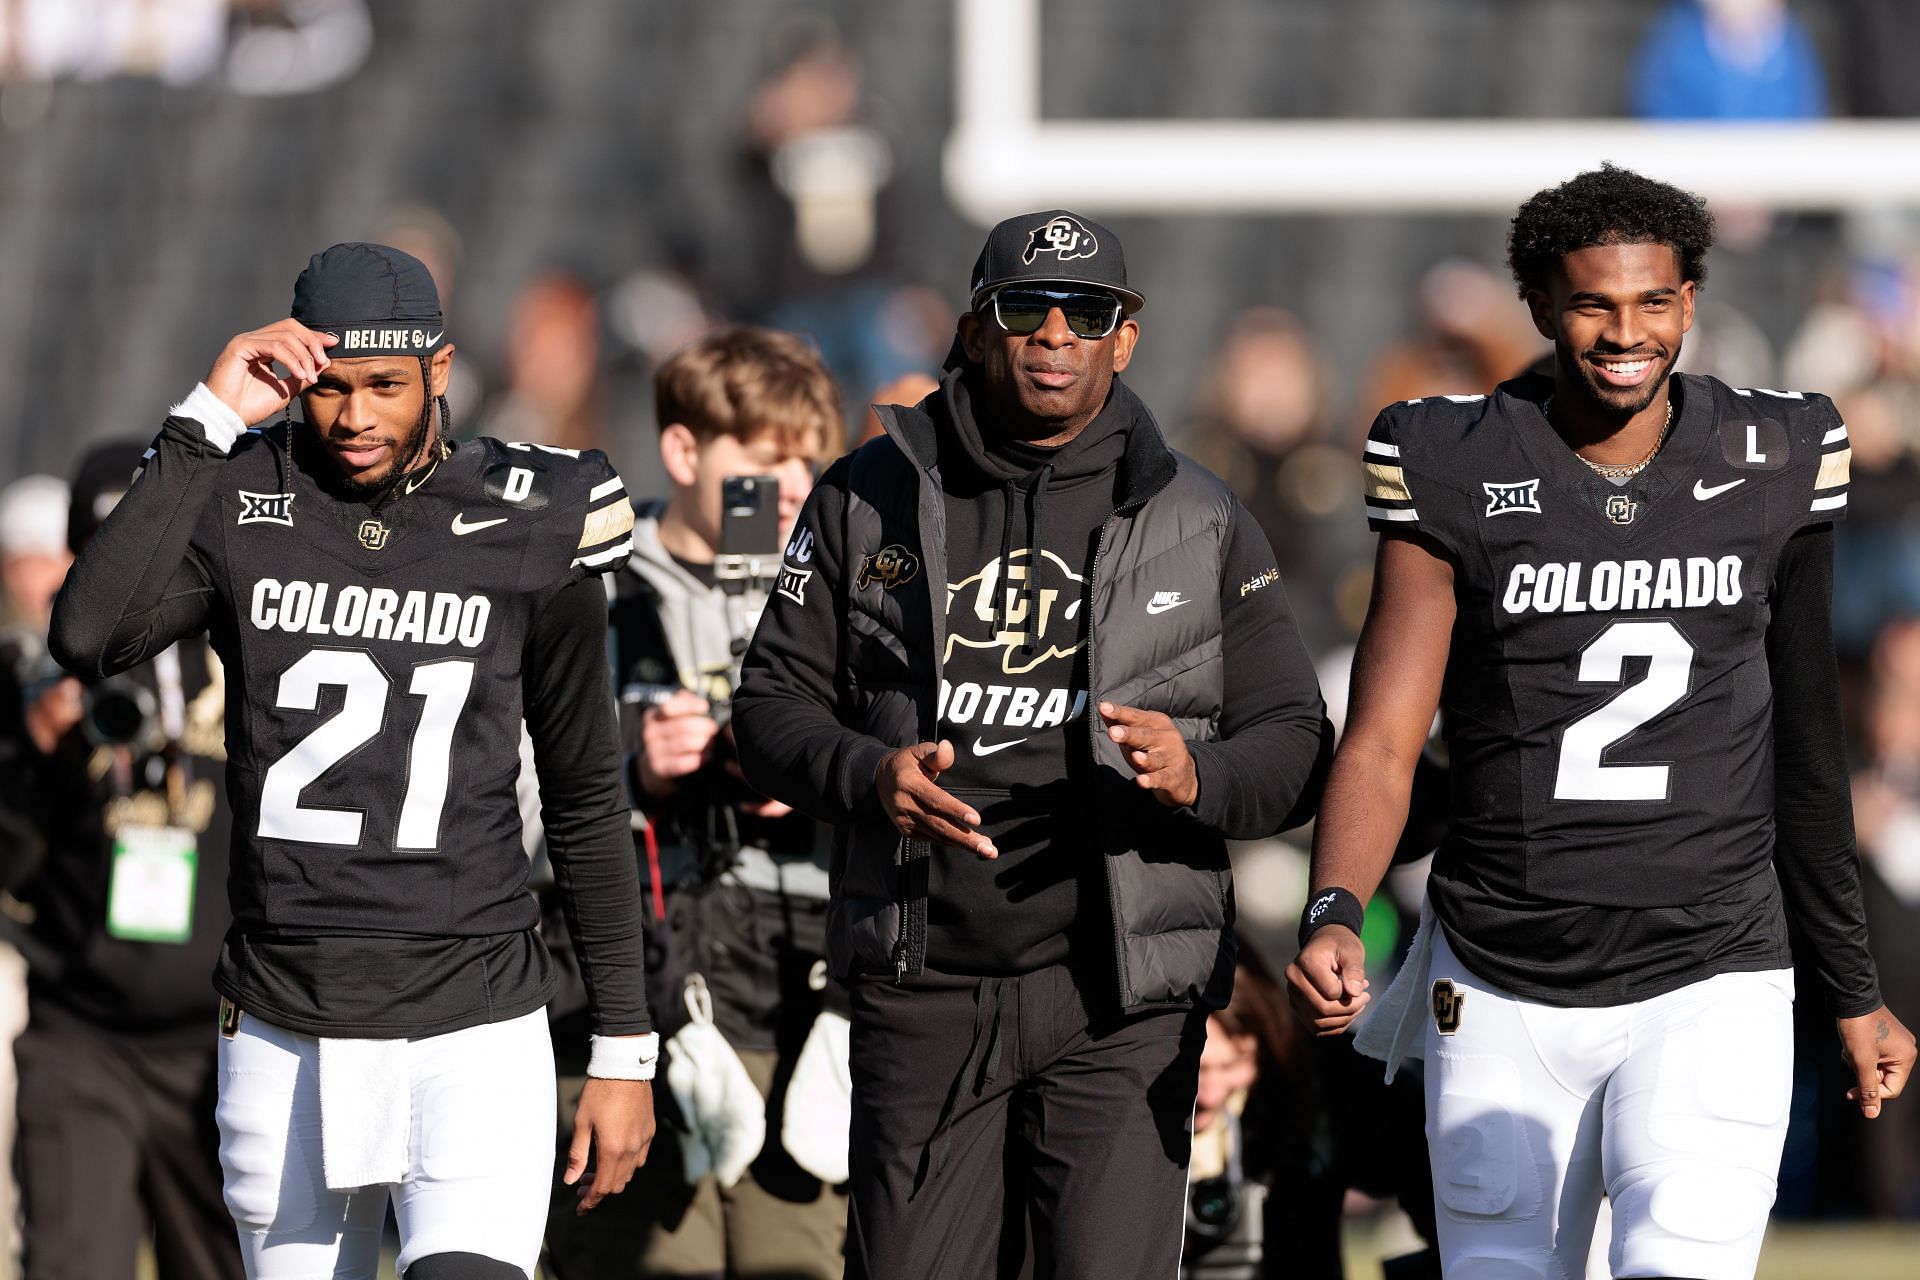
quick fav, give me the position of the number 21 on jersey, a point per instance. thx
(443, 685)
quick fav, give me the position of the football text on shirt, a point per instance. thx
(1009, 705)
(371, 613)
(1628, 586)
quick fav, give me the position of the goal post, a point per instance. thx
(1002, 157)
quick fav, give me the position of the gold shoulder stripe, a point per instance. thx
(607, 522)
(1387, 482)
(1835, 468)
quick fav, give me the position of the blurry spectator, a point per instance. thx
(33, 563)
(826, 233)
(1887, 816)
(1283, 1126)
(1728, 60)
(275, 46)
(425, 232)
(908, 388)
(126, 875)
(282, 47)
(1260, 1163)
(1263, 425)
(1725, 343)
(33, 549)
(553, 363)
(1877, 547)
(1474, 339)
(174, 41)
(827, 163)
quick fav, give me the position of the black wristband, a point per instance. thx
(1331, 906)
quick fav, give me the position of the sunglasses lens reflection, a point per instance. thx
(1088, 315)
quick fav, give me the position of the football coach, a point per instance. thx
(1036, 667)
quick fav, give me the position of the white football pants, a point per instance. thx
(1675, 1108)
(480, 1153)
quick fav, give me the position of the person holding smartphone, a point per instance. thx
(745, 1187)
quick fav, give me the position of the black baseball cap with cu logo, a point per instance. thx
(1053, 246)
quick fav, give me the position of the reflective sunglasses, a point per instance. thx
(1021, 310)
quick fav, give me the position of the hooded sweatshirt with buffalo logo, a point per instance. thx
(1023, 525)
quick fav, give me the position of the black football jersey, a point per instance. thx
(1607, 701)
(373, 757)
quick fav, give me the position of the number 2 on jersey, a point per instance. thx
(444, 685)
(1581, 775)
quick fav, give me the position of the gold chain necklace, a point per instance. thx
(1618, 470)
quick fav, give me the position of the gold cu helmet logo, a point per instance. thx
(891, 566)
(1066, 238)
(373, 534)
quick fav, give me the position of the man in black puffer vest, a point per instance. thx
(1034, 666)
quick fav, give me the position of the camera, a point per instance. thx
(119, 713)
(749, 550)
(1226, 1220)
(1213, 1209)
(115, 712)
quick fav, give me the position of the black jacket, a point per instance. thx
(845, 667)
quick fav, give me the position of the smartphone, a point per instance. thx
(749, 527)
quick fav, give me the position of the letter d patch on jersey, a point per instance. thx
(1447, 1004)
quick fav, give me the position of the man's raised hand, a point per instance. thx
(921, 810)
(243, 377)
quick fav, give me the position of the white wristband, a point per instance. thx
(624, 1057)
(220, 424)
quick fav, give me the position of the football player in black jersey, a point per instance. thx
(388, 609)
(1614, 583)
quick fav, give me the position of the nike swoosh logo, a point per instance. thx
(982, 749)
(1162, 608)
(435, 338)
(1701, 491)
(461, 527)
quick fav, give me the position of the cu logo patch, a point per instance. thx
(1621, 508)
(1447, 1004)
(891, 566)
(373, 534)
(1066, 238)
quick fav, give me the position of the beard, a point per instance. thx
(405, 457)
(1621, 402)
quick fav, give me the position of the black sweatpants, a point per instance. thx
(988, 1112)
(114, 1136)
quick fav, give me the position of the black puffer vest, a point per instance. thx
(1169, 886)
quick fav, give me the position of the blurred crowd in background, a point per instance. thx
(596, 182)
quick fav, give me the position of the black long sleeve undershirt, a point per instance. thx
(1814, 853)
(1264, 773)
(569, 710)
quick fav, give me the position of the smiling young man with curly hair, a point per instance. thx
(1614, 584)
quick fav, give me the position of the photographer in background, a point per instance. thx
(33, 564)
(120, 787)
(742, 1183)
